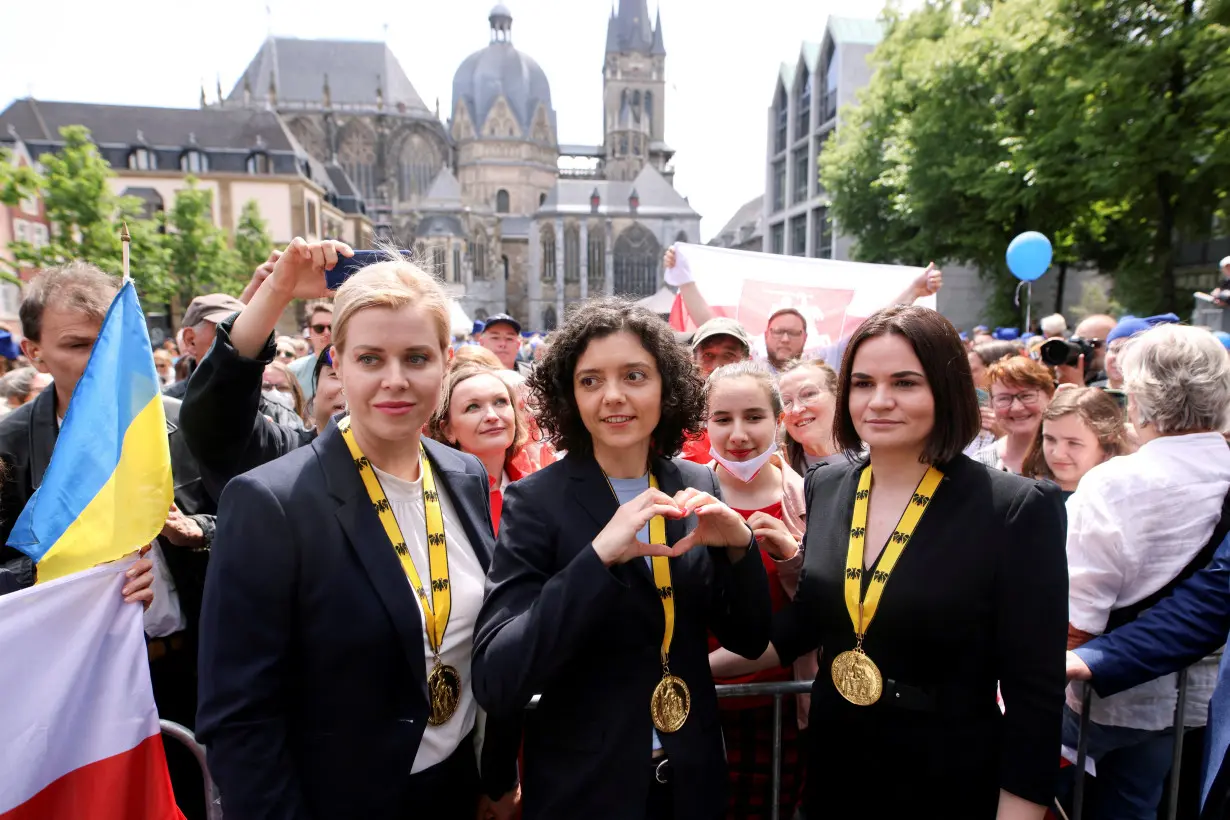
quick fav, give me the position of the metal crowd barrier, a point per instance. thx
(213, 801)
(788, 689)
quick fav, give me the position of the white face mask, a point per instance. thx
(745, 471)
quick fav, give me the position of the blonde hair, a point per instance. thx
(473, 354)
(457, 375)
(394, 284)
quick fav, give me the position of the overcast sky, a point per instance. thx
(722, 61)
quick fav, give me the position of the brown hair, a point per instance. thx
(473, 354)
(296, 390)
(1021, 372)
(795, 454)
(459, 374)
(946, 366)
(77, 286)
(1099, 411)
(318, 306)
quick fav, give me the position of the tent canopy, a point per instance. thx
(661, 302)
(460, 324)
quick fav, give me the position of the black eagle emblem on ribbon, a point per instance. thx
(854, 573)
(431, 495)
(439, 584)
(382, 505)
(666, 592)
(920, 500)
(862, 495)
(435, 539)
(400, 549)
(899, 538)
(858, 532)
(879, 576)
(362, 463)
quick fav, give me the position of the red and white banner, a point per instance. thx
(834, 296)
(79, 734)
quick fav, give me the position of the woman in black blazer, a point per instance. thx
(923, 588)
(575, 612)
(328, 688)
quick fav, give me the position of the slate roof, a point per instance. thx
(629, 29)
(355, 70)
(500, 70)
(445, 192)
(657, 197)
(440, 225)
(515, 227)
(745, 224)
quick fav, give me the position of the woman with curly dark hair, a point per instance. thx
(611, 568)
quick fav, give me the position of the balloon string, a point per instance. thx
(1029, 297)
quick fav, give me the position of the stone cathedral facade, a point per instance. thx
(511, 219)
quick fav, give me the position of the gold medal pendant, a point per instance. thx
(670, 704)
(857, 677)
(443, 693)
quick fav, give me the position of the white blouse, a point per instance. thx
(1134, 523)
(466, 579)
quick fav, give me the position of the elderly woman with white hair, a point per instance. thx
(1136, 523)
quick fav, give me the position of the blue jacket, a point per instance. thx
(1188, 625)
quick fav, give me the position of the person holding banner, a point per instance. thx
(344, 587)
(927, 580)
(612, 566)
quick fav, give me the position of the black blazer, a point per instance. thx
(28, 437)
(313, 688)
(557, 622)
(979, 596)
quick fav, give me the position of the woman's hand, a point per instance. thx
(773, 536)
(299, 273)
(618, 542)
(717, 525)
(503, 809)
(140, 586)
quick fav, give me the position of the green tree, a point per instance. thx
(86, 216)
(200, 258)
(252, 240)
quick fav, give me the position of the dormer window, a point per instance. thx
(258, 163)
(142, 159)
(193, 161)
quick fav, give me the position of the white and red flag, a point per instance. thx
(79, 734)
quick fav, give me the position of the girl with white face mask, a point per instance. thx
(745, 412)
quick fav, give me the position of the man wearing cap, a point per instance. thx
(502, 336)
(1127, 327)
(200, 326)
(719, 341)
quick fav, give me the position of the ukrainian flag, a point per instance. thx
(108, 487)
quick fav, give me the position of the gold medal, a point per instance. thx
(671, 701)
(444, 693)
(443, 682)
(857, 677)
(670, 704)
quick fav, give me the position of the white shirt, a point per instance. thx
(466, 579)
(1133, 524)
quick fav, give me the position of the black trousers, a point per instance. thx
(448, 790)
(173, 675)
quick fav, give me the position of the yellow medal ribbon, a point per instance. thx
(672, 700)
(857, 678)
(444, 682)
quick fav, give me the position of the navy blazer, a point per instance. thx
(1187, 625)
(313, 687)
(556, 621)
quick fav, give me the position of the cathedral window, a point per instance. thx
(418, 162)
(478, 257)
(548, 254)
(649, 109)
(501, 201)
(438, 262)
(457, 277)
(637, 259)
(549, 320)
(623, 145)
(572, 254)
(597, 259)
(636, 144)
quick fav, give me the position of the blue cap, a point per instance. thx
(964, 336)
(1131, 325)
(501, 318)
(477, 329)
(1006, 334)
(1025, 337)
(1223, 337)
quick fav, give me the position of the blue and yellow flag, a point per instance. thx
(108, 487)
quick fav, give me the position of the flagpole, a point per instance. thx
(125, 241)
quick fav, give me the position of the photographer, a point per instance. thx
(1072, 359)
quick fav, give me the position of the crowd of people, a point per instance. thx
(406, 574)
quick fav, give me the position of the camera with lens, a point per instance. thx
(1068, 352)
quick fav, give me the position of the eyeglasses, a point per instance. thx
(286, 354)
(1027, 398)
(806, 398)
(319, 329)
(785, 333)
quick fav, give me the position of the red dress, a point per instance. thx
(747, 725)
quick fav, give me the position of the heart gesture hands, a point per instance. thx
(717, 526)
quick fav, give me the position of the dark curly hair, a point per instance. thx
(683, 392)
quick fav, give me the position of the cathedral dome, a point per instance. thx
(500, 70)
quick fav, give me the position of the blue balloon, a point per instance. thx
(1029, 256)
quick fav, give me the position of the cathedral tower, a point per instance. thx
(634, 98)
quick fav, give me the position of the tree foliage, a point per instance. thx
(201, 260)
(252, 240)
(1101, 123)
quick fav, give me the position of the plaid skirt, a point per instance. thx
(748, 734)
